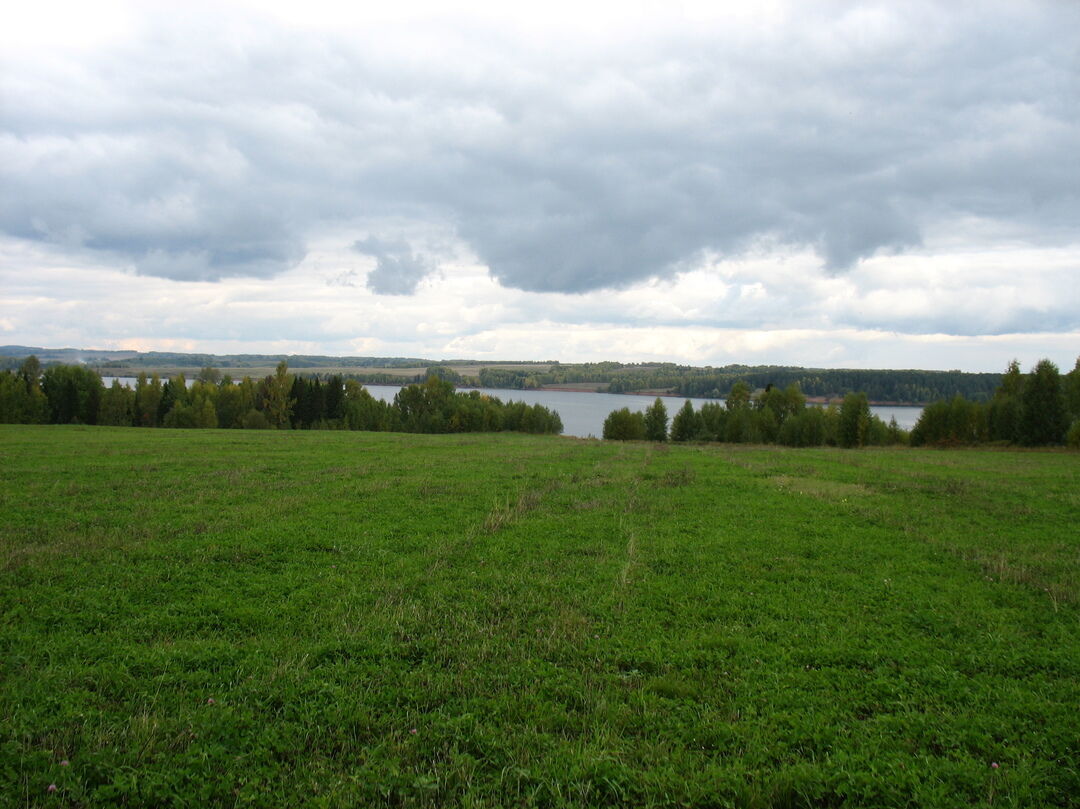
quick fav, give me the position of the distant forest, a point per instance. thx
(880, 386)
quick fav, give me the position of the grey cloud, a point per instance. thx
(398, 269)
(593, 172)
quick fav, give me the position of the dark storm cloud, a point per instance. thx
(852, 131)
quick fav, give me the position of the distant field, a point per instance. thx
(586, 387)
(227, 618)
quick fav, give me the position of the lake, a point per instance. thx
(583, 414)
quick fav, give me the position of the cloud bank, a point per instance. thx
(206, 148)
(689, 184)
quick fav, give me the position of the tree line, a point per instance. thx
(1039, 408)
(73, 394)
(901, 386)
(774, 416)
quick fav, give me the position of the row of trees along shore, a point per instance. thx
(65, 394)
(773, 417)
(1037, 409)
(901, 386)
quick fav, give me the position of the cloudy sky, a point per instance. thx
(823, 184)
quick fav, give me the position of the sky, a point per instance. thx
(830, 184)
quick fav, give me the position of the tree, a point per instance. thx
(426, 408)
(117, 406)
(205, 414)
(231, 406)
(624, 425)
(335, 397)
(686, 426)
(782, 403)
(210, 375)
(30, 371)
(73, 393)
(1005, 406)
(656, 421)
(806, 429)
(362, 410)
(1071, 389)
(854, 420)
(1042, 406)
(739, 396)
(278, 405)
(712, 419)
(21, 402)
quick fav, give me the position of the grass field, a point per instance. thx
(227, 618)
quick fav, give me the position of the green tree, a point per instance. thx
(805, 429)
(739, 396)
(117, 406)
(278, 405)
(1004, 416)
(147, 400)
(20, 402)
(854, 420)
(231, 406)
(742, 426)
(782, 403)
(1042, 408)
(73, 393)
(686, 426)
(712, 419)
(210, 375)
(656, 421)
(624, 425)
(1071, 389)
(205, 414)
(426, 408)
(362, 410)
(30, 371)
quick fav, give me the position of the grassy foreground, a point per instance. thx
(228, 618)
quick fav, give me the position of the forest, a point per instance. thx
(66, 394)
(907, 387)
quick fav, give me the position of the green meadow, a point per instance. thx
(196, 618)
